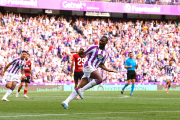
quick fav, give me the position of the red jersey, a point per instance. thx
(27, 68)
(79, 62)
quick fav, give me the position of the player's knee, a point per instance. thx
(8, 86)
(26, 85)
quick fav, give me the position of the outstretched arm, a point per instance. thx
(5, 69)
(72, 65)
(105, 68)
(74, 52)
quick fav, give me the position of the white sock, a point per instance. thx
(7, 93)
(91, 84)
(71, 97)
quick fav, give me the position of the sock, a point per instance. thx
(125, 86)
(166, 83)
(72, 96)
(8, 93)
(91, 84)
(132, 88)
(25, 91)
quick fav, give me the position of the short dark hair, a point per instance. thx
(130, 53)
(25, 52)
(104, 37)
(171, 60)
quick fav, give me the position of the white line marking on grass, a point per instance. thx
(154, 98)
(85, 96)
(86, 114)
(124, 96)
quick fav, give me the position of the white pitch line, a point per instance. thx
(86, 96)
(86, 114)
(154, 98)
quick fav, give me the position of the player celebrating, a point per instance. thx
(12, 76)
(96, 58)
(169, 69)
(79, 60)
(29, 75)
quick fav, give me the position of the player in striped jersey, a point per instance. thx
(169, 69)
(29, 76)
(12, 77)
(97, 56)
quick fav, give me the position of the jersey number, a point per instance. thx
(81, 60)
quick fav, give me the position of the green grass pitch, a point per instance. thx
(100, 105)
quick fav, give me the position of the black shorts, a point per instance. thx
(26, 81)
(78, 75)
(131, 75)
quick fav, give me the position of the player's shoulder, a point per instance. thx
(17, 59)
(76, 55)
(93, 46)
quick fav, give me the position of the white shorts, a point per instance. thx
(11, 77)
(87, 72)
(168, 77)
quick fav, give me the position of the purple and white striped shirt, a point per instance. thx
(16, 65)
(169, 70)
(96, 56)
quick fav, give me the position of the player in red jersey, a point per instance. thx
(79, 60)
(29, 75)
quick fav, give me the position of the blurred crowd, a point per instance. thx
(50, 41)
(157, 2)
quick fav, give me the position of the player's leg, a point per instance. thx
(12, 86)
(97, 79)
(132, 88)
(76, 83)
(25, 90)
(133, 78)
(26, 86)
(76, 79)
(65, 103)
(19, 88)
(128, 81)
(167, 83)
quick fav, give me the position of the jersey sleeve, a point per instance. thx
(89, 50)
(13, 61)
(126, 63)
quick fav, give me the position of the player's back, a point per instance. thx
(79, 62)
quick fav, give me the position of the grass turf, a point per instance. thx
(144, 105)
